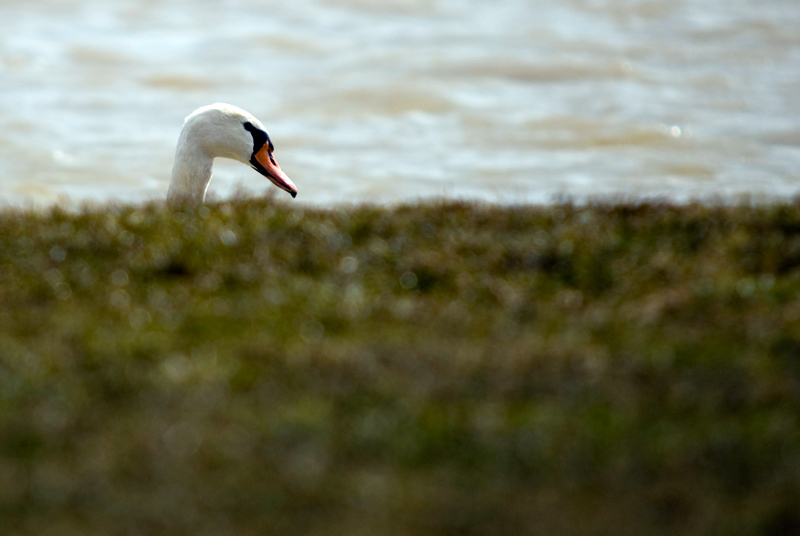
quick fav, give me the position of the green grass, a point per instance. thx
(434, 369)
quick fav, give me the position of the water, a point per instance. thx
(380, 100)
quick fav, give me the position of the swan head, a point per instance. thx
(225, 131)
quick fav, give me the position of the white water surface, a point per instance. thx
(382, 100)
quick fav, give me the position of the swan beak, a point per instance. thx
(265, 163)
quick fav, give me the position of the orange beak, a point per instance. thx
(265, 163)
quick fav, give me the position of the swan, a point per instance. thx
(220, 131)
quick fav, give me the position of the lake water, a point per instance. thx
(381, 100)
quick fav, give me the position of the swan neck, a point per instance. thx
(191, 174)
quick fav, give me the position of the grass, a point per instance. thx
(438, 369)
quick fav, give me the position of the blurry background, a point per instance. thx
(378, 100)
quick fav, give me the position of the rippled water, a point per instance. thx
(377, 100)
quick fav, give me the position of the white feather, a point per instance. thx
(214, 131)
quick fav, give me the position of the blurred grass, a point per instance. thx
(438, 369)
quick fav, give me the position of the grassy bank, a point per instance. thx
(441, 369)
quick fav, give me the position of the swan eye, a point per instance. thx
(260, 138)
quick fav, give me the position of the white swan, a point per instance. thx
(221, 131)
